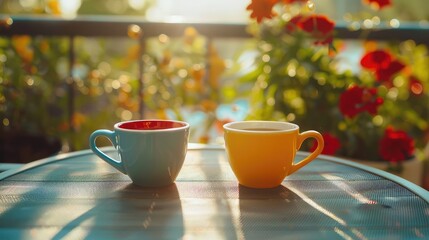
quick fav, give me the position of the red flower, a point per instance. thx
(318, 26)
(386, 74)
(262, 9)
(376, 59)
(378, 3)
(383, 64)
(293, 23)
(359, 99)
(332, 144)
(415, 85)
(396, 146)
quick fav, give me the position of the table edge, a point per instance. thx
(424, 194)
(416, 189)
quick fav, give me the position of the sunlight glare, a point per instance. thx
(339, 182)
(316, 206)
(69, 8)
(137, 4)
(198, 11)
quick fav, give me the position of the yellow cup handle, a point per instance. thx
(320, 144)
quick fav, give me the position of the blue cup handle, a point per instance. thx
(112, 137)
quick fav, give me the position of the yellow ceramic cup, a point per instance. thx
(261, 153)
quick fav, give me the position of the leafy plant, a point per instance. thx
(377, 113)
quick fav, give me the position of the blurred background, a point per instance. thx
(69, 67)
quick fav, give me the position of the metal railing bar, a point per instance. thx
(106, 26)
(71, 88)
(142, 43)
(116, 27)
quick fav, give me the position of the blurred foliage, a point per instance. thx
(295, 80)
(103, 80)
(27, 98)
(35, 86)
(182, 77)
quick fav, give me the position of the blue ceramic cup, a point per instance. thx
(151, 152)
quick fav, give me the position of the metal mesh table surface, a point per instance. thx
(78, 196)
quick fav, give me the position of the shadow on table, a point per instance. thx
(132, 213)
(279, 213)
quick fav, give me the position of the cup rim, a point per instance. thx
(258, 124)
(185, 125)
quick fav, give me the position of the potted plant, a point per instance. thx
(378, 113)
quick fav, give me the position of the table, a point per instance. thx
(78, 196)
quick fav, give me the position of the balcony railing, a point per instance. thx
(118, 27)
